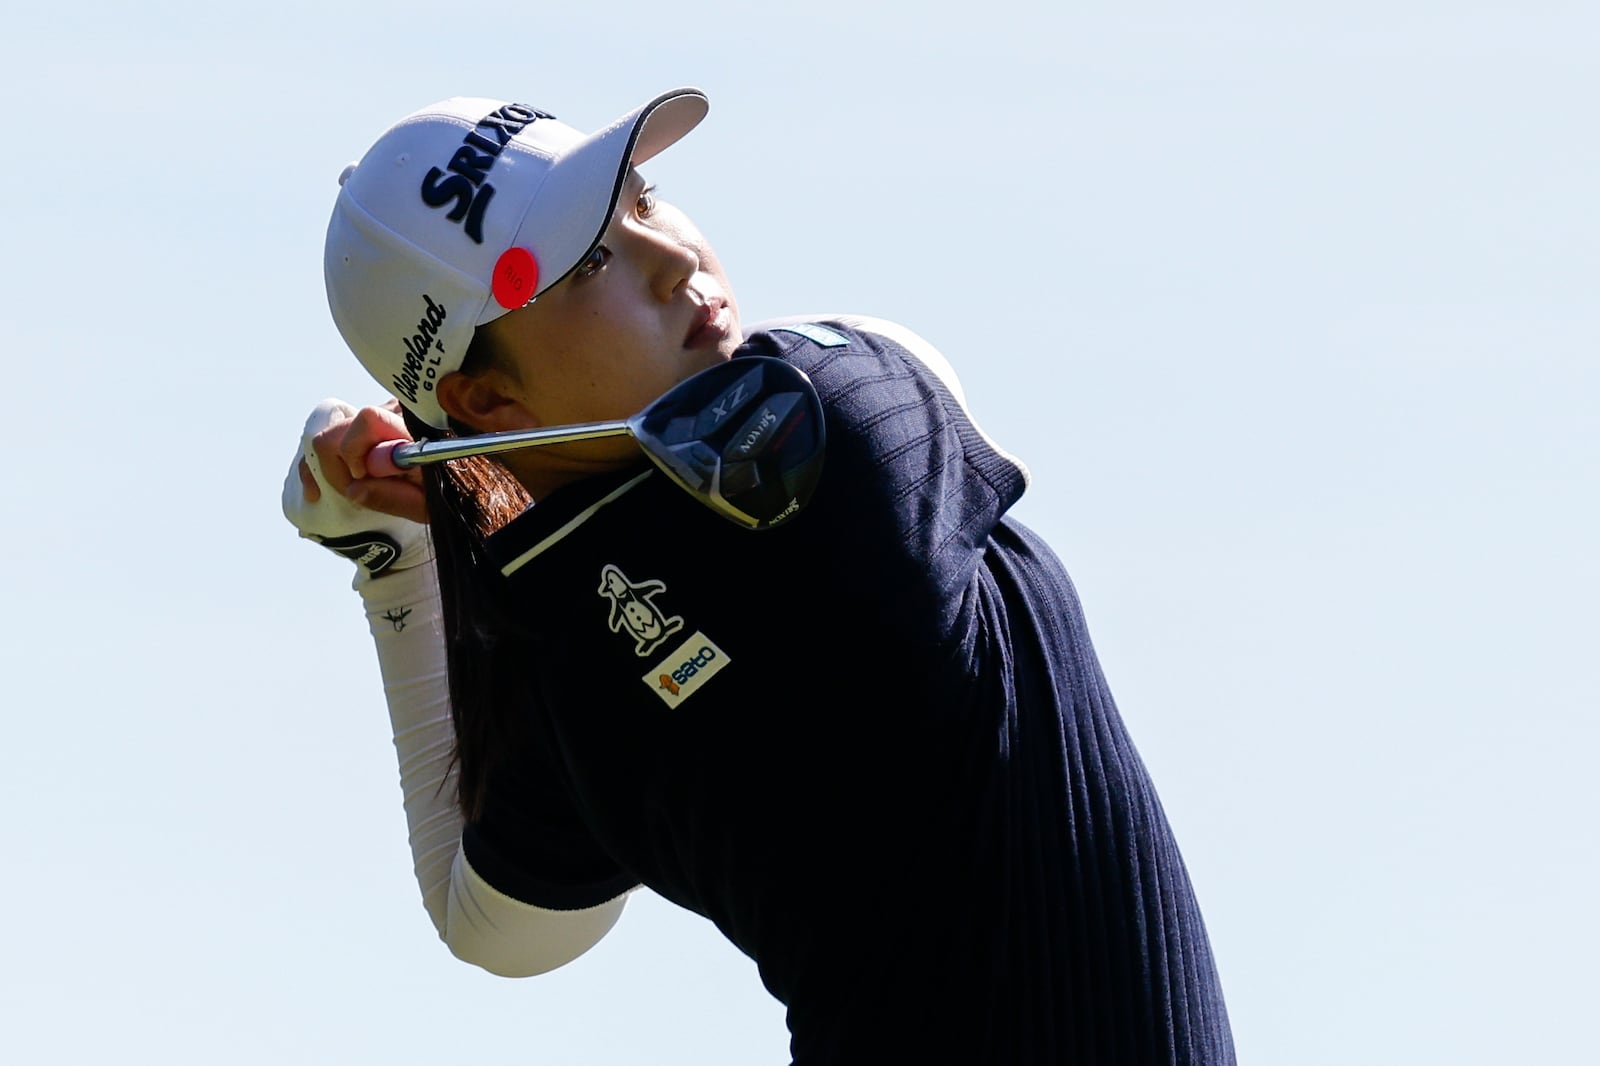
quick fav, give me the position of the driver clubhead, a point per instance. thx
(746, 436)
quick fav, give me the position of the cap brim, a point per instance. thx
(585, 182)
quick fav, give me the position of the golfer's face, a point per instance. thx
(648, 308)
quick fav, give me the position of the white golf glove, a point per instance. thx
(376, 542)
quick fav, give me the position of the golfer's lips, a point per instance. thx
(710, 324)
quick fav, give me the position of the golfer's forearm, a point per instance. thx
(477, 922)
(407, 628)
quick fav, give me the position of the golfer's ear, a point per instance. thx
(482, 402)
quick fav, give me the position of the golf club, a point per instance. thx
(745, 437)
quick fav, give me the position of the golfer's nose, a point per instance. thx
(671, 263)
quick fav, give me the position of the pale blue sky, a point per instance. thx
(1291, 309)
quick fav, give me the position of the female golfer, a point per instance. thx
(872, 744)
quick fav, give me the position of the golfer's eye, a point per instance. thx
(595, 262)
(646, 204)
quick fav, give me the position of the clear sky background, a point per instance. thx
(1291, 309)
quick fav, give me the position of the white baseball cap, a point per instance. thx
(468, 209)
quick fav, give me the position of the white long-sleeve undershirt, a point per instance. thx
(479, 924)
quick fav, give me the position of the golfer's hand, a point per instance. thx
(341, 447)
(379, 523)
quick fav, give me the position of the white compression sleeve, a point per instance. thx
(515, 939)
(479, 924)
(407, 628)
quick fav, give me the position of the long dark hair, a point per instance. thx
(469, 499)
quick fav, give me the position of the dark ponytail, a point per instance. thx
(469, 499)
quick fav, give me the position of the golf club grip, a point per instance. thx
(387, 459)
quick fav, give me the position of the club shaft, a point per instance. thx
(423, 452)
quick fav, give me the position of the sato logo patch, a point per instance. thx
(689, 665)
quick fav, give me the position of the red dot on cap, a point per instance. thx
(516, 277)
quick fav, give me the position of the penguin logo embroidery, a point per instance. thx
(632, 609)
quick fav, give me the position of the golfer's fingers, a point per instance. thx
(341, 449)
(370, 427)
(328, 446)
(308, 483)
(402, 496)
